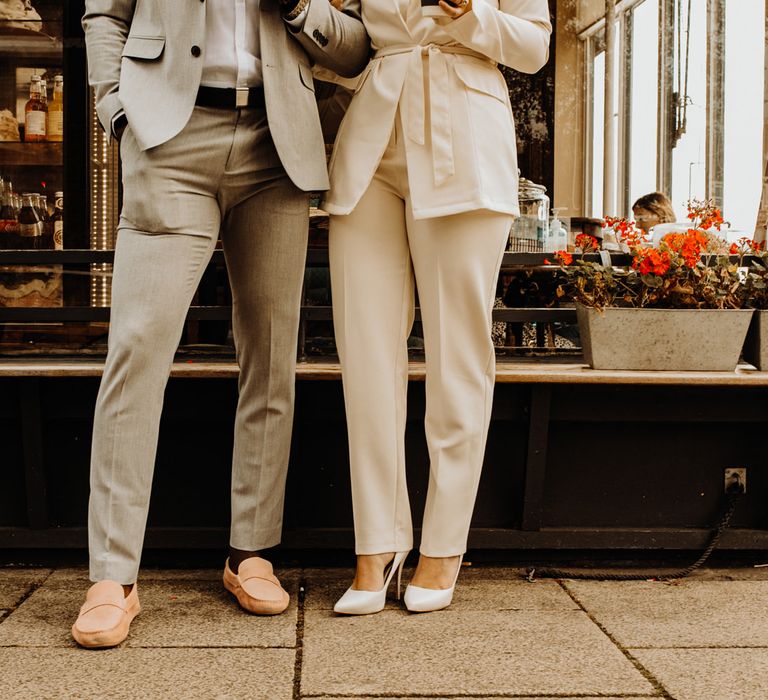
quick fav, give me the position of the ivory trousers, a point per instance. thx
(378, 254)
(221, 174)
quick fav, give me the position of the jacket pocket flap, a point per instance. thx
(483, 78)
(305, 72)
(146, 47)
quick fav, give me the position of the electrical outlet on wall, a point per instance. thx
(736, 480)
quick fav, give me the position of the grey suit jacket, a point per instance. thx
(142, 62)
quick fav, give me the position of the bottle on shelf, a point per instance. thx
(9, 222)
(56, 111)
(57, 221)
(30, 226)
(35, 113)
(47, 223)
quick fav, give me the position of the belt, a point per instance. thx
(230, 98)
(438, 84)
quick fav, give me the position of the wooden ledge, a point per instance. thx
(507, 372)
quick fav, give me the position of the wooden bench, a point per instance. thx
(539, 381)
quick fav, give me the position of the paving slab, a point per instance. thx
(680, 614)
(463, 652)
(175, 613)
(16, 583)
(147, 674)
(741, 573)
(709, 674)
(478, 589)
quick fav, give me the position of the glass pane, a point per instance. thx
(644, 100)
(598, 131)
(31, 116)
(32, 141)
(689, 155)
(744, 93)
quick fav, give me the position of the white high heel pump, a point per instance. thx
(429, 599)
(367, 602)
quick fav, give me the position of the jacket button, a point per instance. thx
(196, 51)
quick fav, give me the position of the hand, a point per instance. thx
(338, 4)
(454, 11)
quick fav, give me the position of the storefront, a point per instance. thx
(577, 459)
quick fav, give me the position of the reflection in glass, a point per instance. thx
(644, 100)
(744, 94)
(690, 85)
(598, 130)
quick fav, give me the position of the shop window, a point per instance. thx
(689, 87)
(643, 65)
(689, 138)
(743, 126)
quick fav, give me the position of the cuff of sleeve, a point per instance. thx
(297, 23)
(469, 25)
(316, 16)
(107, 109)
(120, 115)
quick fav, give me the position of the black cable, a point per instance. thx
(731, 501)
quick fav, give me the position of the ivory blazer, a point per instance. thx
(145, 59)
(453, 101)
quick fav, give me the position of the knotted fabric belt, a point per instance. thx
(439, 100)
(230, 98)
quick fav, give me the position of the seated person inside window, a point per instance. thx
(654, 214)
(653, 209)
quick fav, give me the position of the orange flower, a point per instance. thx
(564, 257)
(626, 231)
(649, 261)
(586, 242)
(706, 213)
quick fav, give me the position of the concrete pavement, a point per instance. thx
(704, 638)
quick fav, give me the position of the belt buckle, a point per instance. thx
(241, 97)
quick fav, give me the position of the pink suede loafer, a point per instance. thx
(256, 587)
(105, 617)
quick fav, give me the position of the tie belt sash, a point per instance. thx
(439, 85)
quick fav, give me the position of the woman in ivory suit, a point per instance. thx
(423, 193)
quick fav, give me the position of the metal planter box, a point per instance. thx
(663, 339)
(756, 344)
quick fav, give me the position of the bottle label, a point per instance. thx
(58, 235)
(31, 230)
(35, 124)
(9, 226)
(55, 124)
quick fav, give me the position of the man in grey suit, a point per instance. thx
(214, 105)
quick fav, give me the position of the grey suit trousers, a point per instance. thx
(220, 175)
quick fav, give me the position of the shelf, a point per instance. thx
(13, 153)
(24, 43)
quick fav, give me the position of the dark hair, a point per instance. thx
(659, 204)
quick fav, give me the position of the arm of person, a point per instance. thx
(334, 39)
(515, 35)
(106, 24)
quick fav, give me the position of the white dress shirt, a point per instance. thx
(232, 46)
(232, 51)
